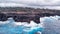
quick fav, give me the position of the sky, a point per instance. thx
(51, 4)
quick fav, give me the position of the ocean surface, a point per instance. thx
(12, 27)
(48, 25)
(51, 24)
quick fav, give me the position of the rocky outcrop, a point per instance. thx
(26, 14)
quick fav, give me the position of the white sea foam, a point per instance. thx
(51, 24)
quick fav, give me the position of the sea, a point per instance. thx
(47, 25)
(51, 24)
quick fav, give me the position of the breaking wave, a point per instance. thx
(48, 25)
(51, 24)
(12, 27)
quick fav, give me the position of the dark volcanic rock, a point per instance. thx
(26, 14)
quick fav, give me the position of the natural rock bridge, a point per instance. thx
(21, 14)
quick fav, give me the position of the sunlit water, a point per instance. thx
(12, 27)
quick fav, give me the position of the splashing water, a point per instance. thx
(12, 27)
(51, 25)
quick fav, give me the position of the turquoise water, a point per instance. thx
(10, 28)
(51, 25)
